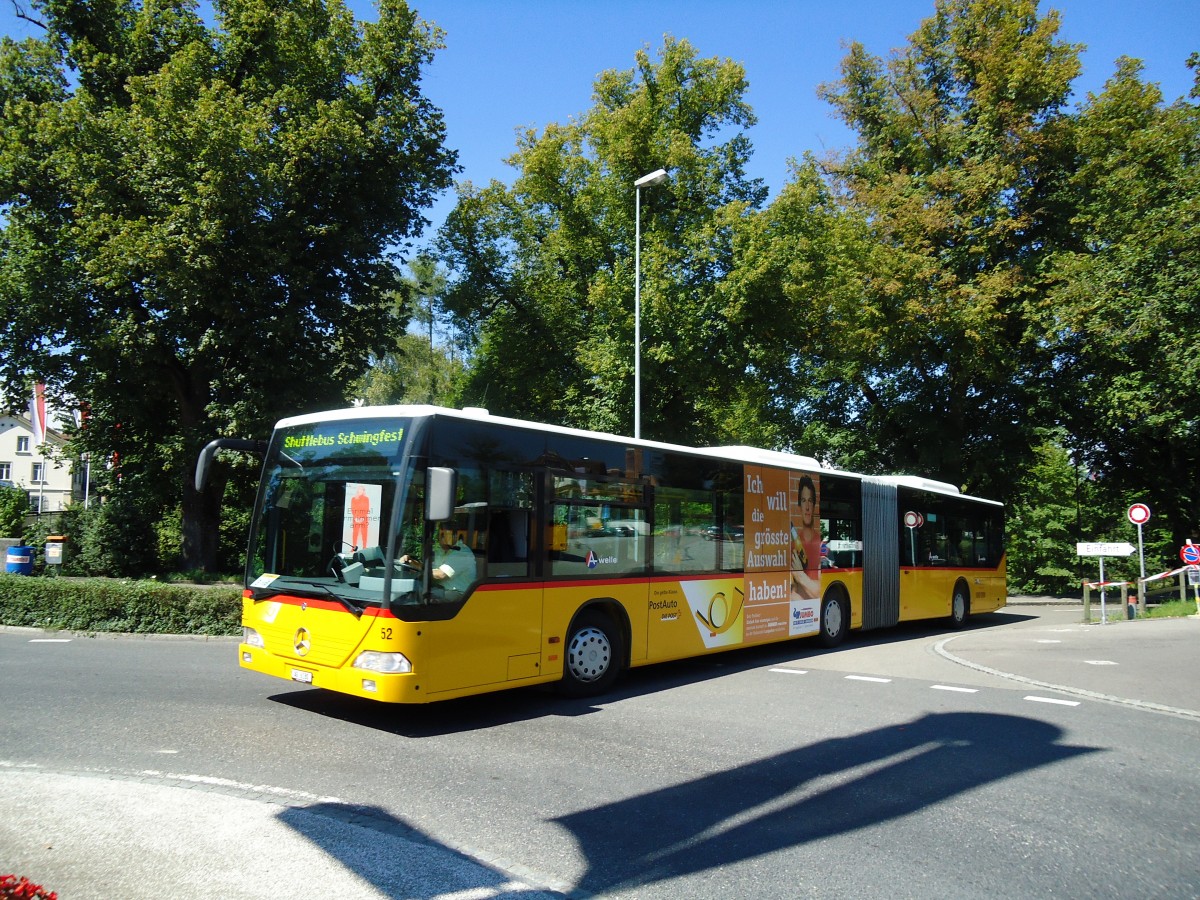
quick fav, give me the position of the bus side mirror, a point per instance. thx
(205, 460)
(441, 490)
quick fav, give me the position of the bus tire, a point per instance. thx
(835, 618)
(960, 605)
(594, 655)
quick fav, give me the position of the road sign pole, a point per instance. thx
(1103, 596)
(1139, 515)
(1141, 581)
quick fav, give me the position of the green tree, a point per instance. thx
(960, 147)
(424, 364)
(1120, 316)
(795, 293)
(1046, 521)
(544, 271)
(197, 219)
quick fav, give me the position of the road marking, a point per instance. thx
(484, 893)
(1100, 662)
(791, 671)
(1054, 700)
(1049, 641)
(940, 649)
(49, 640)
(868, 678)
(951, 687)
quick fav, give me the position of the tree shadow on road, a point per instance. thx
(782, 802)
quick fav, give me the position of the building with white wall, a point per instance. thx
(42, 471)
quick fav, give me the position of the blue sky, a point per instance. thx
(519, 63)
(511, 64)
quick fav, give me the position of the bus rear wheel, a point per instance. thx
(835, 619)
(594, 655)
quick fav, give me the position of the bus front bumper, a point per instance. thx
(383, 686)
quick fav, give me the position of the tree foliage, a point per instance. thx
(197, 218)
(1120, 313)
(544, 271)
(960, 146)
(423, 363)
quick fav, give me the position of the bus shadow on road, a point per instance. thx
(522, 704)
(828, 788)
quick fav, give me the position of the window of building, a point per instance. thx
(22, 445)
(5, 471)
(39, 473)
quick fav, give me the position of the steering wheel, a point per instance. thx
(336, 565)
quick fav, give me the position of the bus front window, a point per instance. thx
(323, 522)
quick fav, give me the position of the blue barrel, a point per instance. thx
(19, 561)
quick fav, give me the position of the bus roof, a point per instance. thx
(740, 453)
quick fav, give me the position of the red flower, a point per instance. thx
(13, 889)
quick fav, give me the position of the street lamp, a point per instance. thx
(658, 176)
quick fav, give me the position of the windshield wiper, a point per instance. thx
(264, 593)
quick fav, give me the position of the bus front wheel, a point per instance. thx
(593, 655)
(960, 606)
(835, 619)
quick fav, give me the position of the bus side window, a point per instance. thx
(510, 523)
(684, 530)
(508, 543)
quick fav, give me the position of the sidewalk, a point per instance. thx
(96, 837)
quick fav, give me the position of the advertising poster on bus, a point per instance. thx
(783, 553)
(805, 533)
(360, 526)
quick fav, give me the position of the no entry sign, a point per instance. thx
(1139, 514)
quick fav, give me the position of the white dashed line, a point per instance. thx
(1049, 641)
(791, 671)
(951, 687)
(940, 649)
(1100, 662)
(50, 640)
(868, 678)
(1053, 700)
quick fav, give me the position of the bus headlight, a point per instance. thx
(390, 663)
(252, 637)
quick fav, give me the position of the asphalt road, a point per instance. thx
(1026, 756)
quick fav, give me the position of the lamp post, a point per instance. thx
(658, 176)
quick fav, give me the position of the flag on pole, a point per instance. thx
(37, 413)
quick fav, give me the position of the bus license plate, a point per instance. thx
(301, 676)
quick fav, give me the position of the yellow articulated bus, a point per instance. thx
(412, 553)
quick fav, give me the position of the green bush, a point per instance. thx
(132, 607)
(115, 538)
(14, 504)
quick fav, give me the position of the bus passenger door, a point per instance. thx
(496, 636)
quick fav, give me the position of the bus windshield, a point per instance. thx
(327, 512)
